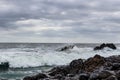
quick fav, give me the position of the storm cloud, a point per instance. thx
(59, 21)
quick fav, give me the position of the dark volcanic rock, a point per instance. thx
(118, 75)
(97, 48)
(59, 77)
(92, 63)
(111, 45)
(28, 78)
(105, 74)
(66, 48)
(70, 75)
(36, 77)
(72, 68)
(94, 76)
(83, 76)
(63, 70)
(115, 66)
(4, 66)
(101, 75)
(94, 68)
(76, 66)
(111, 78)
(102, 46)
(113, 59)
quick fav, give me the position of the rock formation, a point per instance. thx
(94, 68)
(102, 46)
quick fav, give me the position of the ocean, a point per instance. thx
(31, 58)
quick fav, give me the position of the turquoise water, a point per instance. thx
(20, 73)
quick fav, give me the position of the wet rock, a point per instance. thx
(66, 48)
(102, 46)
(59, 77)
(94, 76)
(70, 78)
(115, 66)
(28, 78)
(94, 68)
(63, 70)
(105, 74)
(97, 48)
(113, 59)
(72, 68)
(101, 75)
(111, 45)
(36, 77)
(111, 78)
(76, 66)
(83, 76)
(70, 75)
(4, 65)
(118, 74)
(92, 63)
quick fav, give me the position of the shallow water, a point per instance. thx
(26, 59)
(20, 73)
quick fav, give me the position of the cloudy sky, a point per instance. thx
(60, 21)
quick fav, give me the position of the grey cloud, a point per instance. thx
(85, 18)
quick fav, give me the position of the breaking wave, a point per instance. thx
(34, 57)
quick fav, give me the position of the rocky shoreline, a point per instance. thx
(94, 68)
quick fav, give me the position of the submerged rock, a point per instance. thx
(102, 46)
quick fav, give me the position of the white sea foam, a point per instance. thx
(29, 57)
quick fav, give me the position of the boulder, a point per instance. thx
(63, 70)
(100, 75)
(93, 63)
(115, 66)
(36, 77)
(83, 76)
(118, 74)
(113, 59)
(76, 66)
(94, 76)
(105, 74)
(59, 77)
(73, 68)
(111, 78)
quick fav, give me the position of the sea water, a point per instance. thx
(31, 58)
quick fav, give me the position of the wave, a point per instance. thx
(29, 57)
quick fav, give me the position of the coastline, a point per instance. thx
(93, 68)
